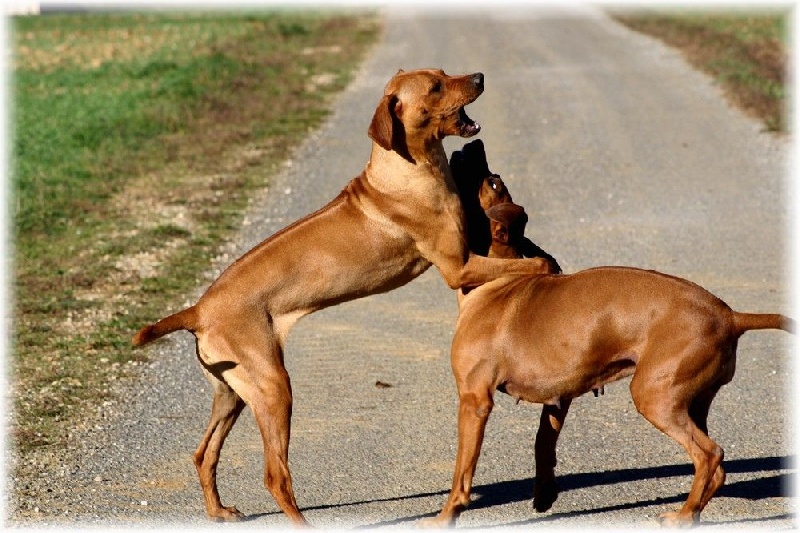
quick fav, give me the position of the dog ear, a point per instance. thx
(381, 129)
(499, 232)
(511, 216)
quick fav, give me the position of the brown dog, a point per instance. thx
(388, 225)
(550, 338)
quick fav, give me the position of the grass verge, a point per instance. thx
(744, 52)
(137, 140)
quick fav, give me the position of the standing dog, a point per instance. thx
(388, 225)
(550, 338)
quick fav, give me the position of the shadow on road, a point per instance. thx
(512, 491)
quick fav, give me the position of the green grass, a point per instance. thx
(137, 141)
(744, 51)
(73, 120)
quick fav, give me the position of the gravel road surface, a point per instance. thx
(621, 154)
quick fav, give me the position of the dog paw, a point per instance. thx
(677, 520)
(544, 495)
(227, 514)
(435, 522)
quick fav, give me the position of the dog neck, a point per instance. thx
(388, 170)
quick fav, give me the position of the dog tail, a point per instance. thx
(185, 319)
(747, 321)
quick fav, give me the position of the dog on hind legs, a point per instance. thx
(405, 204)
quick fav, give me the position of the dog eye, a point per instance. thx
(437, 87)
(494, 184)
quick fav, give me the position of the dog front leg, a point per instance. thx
(545, 490)
(473, 413)
(273, 415)
(478, 270)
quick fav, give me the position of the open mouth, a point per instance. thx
(466, 126)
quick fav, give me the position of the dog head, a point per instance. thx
(482, 192)
(422, 106)
(493, 192)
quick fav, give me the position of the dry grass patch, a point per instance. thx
(745, 52)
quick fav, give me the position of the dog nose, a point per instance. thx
(477, 79)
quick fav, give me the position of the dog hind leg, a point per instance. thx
(268, 392)
(667, 410)
(273, 412)
(698, 411)
(253, 367)
(225, 410)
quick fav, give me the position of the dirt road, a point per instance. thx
(621, 154)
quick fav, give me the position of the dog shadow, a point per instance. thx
(519, 490)
(514, 491)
